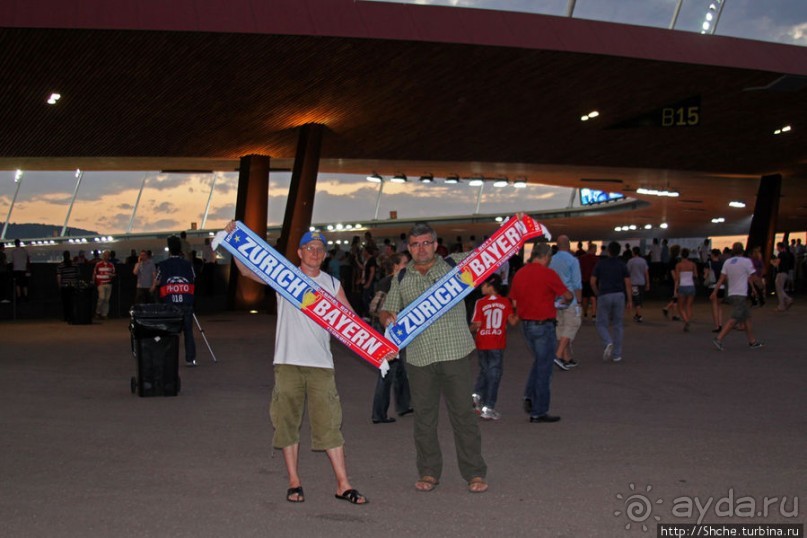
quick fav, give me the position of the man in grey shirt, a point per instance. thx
(144, 270)
(639, 282)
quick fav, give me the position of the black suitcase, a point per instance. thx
(155, 346)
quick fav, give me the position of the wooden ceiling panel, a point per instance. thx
(135, 97)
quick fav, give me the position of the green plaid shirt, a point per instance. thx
(446, 339)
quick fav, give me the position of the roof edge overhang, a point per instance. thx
(408, 22)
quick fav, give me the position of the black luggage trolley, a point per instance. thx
(155, 346)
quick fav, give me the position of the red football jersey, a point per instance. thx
(492, 312)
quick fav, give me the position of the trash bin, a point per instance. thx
(82, 304)
(155, 346)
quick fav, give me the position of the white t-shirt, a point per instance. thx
(737, 271)
(19, 257)
(298, 339)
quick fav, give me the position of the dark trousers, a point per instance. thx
(5, 285)
(67, 302)
(187, 330)
(452, 380)
(143, 296)
(396, 380)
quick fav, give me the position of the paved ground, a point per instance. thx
(676, 423)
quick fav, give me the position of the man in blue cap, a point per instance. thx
(303, 367)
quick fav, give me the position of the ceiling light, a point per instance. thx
(618, 229)
(785, 129)
(718, 220)
(339, 227)
(453, 178)
(357, 226)
(590, 116)
(427, 178)
(663, 225)
(499, 219)
(330, 227)
(476, 182)
(648, 226)
(657, 192)
(502, 182)
(375, 178)
(18, 175)
(520, 183)
(311, 229)
(736, 203)
(54, 97)
(398, 178)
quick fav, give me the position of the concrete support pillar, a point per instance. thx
(766, 216)
(300, 203)
(251, 207)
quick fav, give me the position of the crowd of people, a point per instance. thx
(549, 296)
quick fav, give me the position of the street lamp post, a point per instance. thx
(18, 181)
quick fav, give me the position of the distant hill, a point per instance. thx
(39, 231)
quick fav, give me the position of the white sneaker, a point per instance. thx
(617, 359)
(477, 399)
(606, 354)
(488, 413)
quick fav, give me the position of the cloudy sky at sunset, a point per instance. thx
(106, 200)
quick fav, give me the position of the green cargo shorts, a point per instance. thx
(293, 384)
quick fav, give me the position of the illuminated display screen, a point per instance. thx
(592, 196)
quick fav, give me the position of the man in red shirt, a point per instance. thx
(491, 314)
(533, 291)
(102, 274)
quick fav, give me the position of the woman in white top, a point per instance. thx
(685, 273)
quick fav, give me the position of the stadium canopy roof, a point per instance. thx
(195, 85)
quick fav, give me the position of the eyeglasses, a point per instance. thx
(314, 250)
(424, 244)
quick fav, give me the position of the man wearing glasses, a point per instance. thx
(438, 364)
(303, 367)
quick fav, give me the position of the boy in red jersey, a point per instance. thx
(490, 314)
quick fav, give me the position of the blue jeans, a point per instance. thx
(490, 373)
(610, 310)
(542, 342)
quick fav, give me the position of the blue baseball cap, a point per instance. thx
(312, 236)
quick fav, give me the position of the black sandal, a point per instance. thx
(295, 491)
(352, 496)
